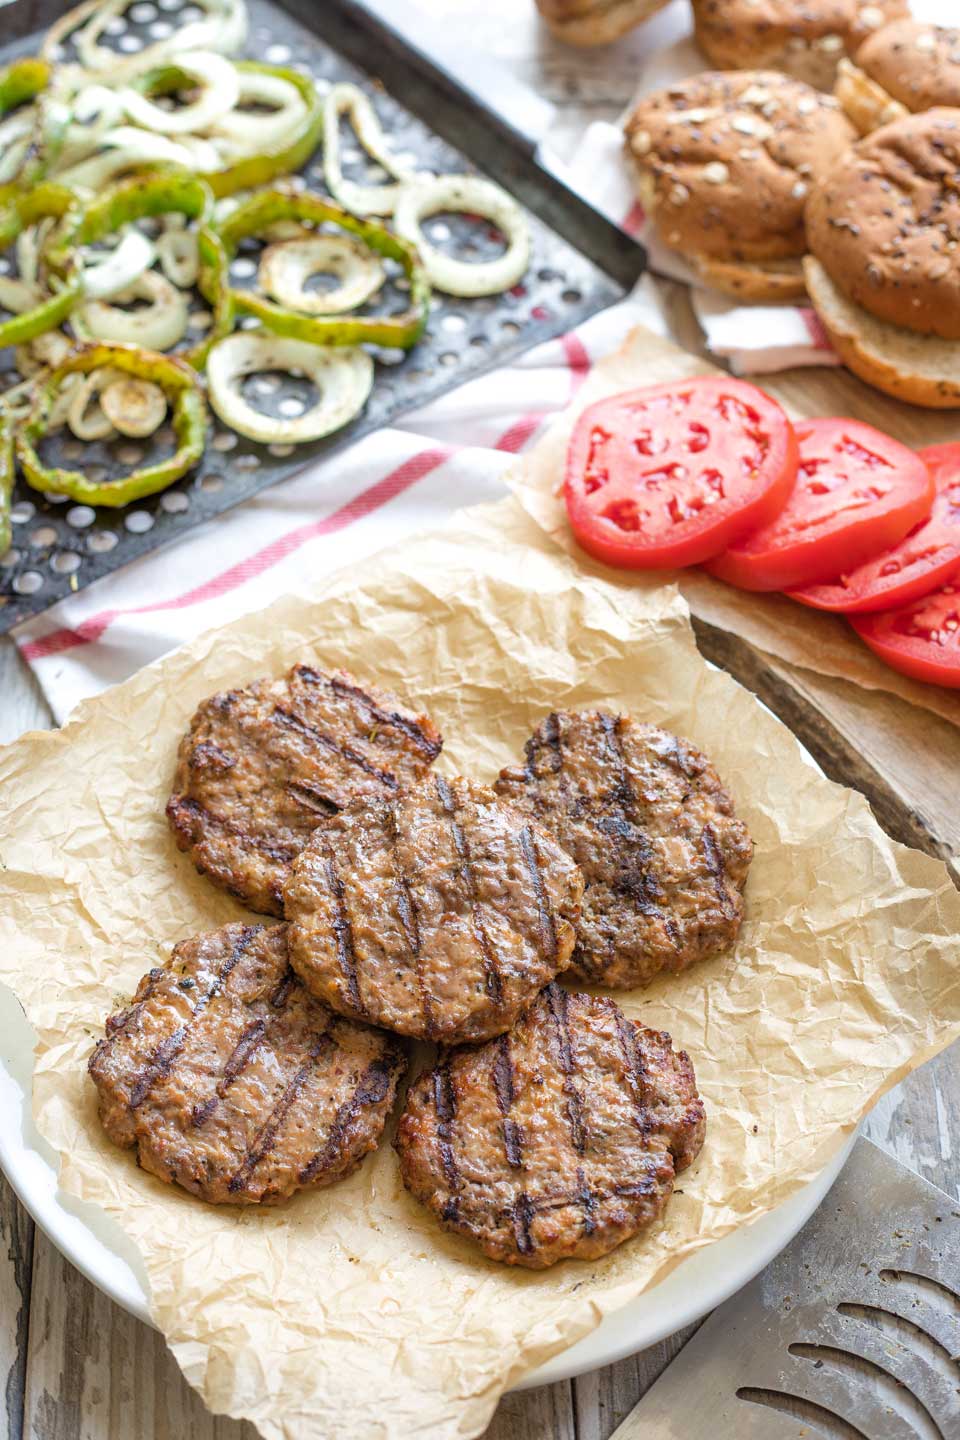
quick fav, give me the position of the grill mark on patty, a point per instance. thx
(264, 1141)
(505, 1092)
(406, 726)
(644, 889)
(445, 1106)
(493, 980)
(161, 1063)
(713, 855)
(630, 1050)
(273, 851)
(545, 925)
(278, 999)
(241, 1055)
(559, 1003)
(312, 797)
(524, 1213)
(371, 1088)
(410, 923)
(118, 1025)
(339, 748)
(343, 931)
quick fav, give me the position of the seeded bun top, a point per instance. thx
(803, 38)
(884, 223)
(919, 65)
(724, 161)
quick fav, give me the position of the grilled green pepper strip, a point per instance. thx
(263, 210)
(182, 389)
(8, 472)
(163, 193)
(47, 200)
(22, 80)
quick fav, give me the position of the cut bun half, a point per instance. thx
(595, 22)
(866, 104)
(921, 369)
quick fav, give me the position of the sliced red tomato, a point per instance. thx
(924, 559)
(858, 492)
(921, 639)
(670, 475)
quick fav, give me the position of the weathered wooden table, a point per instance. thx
(74, 1365)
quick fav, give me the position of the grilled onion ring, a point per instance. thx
(178, 253)
(360, 199)
(246, 133)
(85, 415)
(157, 327)
(286, 267)
(343, 377)
(125, 148)
(468, 195)
(135, 407)
(120, 269)
(220, 91)
(223, 29)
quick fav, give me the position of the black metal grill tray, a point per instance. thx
(59, 547)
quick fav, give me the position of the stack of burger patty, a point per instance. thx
(264, 1058)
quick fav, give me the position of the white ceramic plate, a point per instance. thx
(96, 1246)
(100, 1250)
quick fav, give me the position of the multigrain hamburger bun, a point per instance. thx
(723, 165)
(884, 224)
(905, 67)
(595, 22)
(803, 38)
(916, 368)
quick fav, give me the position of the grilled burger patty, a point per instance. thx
(648, 821)
(262, 767)
(560, 1139)
(439, 913)
(234, 1082)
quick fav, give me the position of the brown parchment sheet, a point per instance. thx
(810, 639)
(347, 1312)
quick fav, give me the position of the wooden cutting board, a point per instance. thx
(905, 759)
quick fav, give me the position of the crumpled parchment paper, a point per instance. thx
(347, 1312)
(811, 639)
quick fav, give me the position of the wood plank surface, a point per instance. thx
(76, 1367)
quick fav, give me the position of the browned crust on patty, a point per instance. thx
(558, 1140)
(724, 162)
(234, 1082)
(917, 64)
(653, 830)
(803, 38)
(439, 914)
(261, 768)
(884, 223)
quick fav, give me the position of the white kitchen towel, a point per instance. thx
(337, 512)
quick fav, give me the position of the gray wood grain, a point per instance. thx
(16, 1262)
(94, 1373)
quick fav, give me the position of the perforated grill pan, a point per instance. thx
(59, 547)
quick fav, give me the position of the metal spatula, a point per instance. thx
(853, 1332)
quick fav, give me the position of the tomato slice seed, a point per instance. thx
(920, 639)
